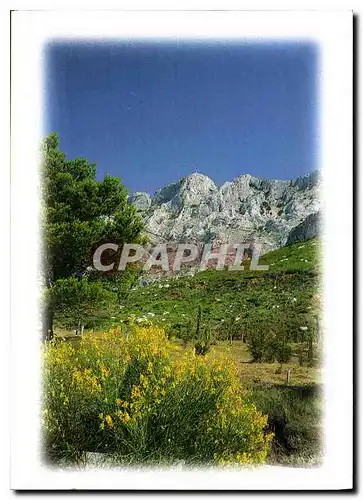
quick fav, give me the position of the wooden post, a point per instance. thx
(288, 376)
(82, 328)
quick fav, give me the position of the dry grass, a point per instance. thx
(271, 373)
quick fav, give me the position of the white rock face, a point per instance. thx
(142, 201)
(308, 228)
(246, 209)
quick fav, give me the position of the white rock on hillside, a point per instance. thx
(246, 209)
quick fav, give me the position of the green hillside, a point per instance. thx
(233, 310)
(234, 302)
(238, 306)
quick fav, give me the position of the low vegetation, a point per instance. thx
(295, 418)
(122, 393)
(265, 323)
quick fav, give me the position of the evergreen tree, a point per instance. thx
(78, 212)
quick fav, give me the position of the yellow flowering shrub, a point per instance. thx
(124, 394)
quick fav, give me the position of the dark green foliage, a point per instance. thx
(78, 212)
(81, 302)
(199, 315)
(202, 335)
(121, 282)
(268, 339)
(310, 349)
(295, 418)
(258, 344)
(283, 351)
(201, 349)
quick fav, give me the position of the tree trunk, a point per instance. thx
(48, 324)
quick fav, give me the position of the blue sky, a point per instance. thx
(152, 112)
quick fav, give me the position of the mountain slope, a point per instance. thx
(195, 209)
(236, 301)
(308, 228)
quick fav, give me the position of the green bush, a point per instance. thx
(127, 395)
(294, 416)
(258, 346)
(267, 343)
(283, 351)
(201, 348)
(81, 302)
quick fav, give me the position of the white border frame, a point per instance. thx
(333, 32)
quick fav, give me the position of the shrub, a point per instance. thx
(126, 394)
(201, 348)
(283, 351)
(203, 336)
(269, 346)
(81, 301)
(295, 416)
(257, 344)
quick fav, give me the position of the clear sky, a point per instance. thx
(152, 112)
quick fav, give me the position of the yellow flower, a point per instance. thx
(118, 402)
(109, 421)
(143, 380)
(135, 392)
(104, 371)
(126, 417)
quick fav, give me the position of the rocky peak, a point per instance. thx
(141, 200)
(196, 188)
(266, 210)
(193, 184)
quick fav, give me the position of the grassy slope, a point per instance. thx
(231, 303)
(234, 302)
